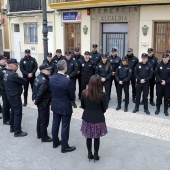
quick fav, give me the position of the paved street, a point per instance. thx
(134, 142)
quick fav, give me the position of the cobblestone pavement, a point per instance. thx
(134, 142)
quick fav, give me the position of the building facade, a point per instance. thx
(120, 24)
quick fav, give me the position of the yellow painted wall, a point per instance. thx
(149, 14)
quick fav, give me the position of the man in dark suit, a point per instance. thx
(63, 93)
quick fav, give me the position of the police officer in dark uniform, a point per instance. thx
(28, 67)
(103, 69)
(78, 58)
(132, 61)
(49, 61)
(153, 61)
(87, 69)
(71, 72)
(123, 76)
(13, 85)
(162, 74)
(115, 61)
(5, 106)
(95, 55)
(57, 58)
(143, 73)
(42, 98)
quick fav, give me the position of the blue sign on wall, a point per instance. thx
(71, 16)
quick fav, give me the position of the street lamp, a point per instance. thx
(45, 28)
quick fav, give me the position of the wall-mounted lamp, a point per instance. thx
(85, 29)
(145, 30)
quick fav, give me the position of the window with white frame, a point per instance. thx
(30, 33)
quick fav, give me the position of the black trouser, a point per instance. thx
(139, 89)
(5, 107)
(84, 82)
(74, 84)
(96, 145)
(78, 77)
(16, 113)
(106, 86)
(26, 86)
(133, 84)
(162, 90)
(43, 120)
(125, 87)
(65, 129)
(151, 86)
(111, 81)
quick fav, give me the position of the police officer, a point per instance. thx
(5, 106)
(49, 61)
(87, 69)
(132, 61)
(104, 70)
(71, 72)
(123, 76)
(13, 85)
(28, 67)
(153, 61)
(95, 55)
(143, 73)
(162, 74)
(115, 61)
(42, 98)
(78, 58)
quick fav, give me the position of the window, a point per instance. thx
(16, 28)
(50, 28)
(30, 33)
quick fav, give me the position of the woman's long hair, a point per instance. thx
(94, 88)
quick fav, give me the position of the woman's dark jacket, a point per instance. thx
(94, 110)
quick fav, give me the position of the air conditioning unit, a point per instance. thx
(4, 7)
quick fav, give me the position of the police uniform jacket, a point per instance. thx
(2, 72)
(78, 59)
(153, 61)
(143, 71)
(123, 73)
(28, 65)
(94, 110)
(41, 89)
(104, 72)
(72, 68)
(51, 64)
(132, 61)
(96, 57)
(87, 69)
(56, 59)
(115, 62)
(162, 72)
(13, 83)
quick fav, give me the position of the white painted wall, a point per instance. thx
(149, 14)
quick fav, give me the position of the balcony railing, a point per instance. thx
(24, 5)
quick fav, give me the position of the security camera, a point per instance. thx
(57, 12)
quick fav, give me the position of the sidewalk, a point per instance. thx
(134, 142)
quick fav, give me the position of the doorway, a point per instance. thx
(115, 36)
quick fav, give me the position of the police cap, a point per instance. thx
(2, 57)
(27, 51)
(58, 51)
(67, 53)
(114, 50)
(49, 54)
(150, 50)
(168, 51)
(77, 49)
(104, 55)
(86, 53)
(44, 67)
(12, 61)
(144, 55)
(165, 55)
(94, 45)
(129, 50)
(124, 58)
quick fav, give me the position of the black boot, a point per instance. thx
(157, 110)
(166, 112)
(74, 104)
(126, 109)
(118, 107)
(96, 157)
(90, 156)
(136, 109)
(152, 103)
(25, 102)
(147, 111)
